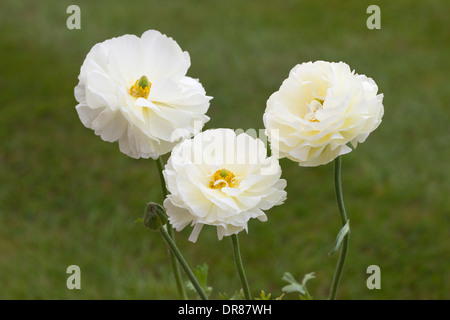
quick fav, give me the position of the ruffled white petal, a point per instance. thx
(163, 56)
(188, 175)
(144, 127)
(319, 109)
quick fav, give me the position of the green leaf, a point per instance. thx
(201, 272)
(238, 295)
(341, 235)
(263, 296)
(308, 277)
(294, 286)
(223, 296)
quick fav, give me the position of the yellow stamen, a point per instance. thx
(141, 88)
(222, 178)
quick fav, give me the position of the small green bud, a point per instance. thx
(155, 216)
(143, 82)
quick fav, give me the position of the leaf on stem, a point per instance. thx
(341, 235)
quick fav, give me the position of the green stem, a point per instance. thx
(175, 267)
(160, 165)
(343, 255)
(183, 263)
(240, 266)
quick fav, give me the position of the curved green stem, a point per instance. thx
(183, 263)
(240, 266)
(175, 267)
(340, 202)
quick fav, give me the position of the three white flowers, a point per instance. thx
(135, 91)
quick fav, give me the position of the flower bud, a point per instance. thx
(155, 216)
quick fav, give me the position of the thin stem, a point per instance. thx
(160, 165)
(240, 266)
(183, 263)
(340, 202)
(176, 271)
(175, 267)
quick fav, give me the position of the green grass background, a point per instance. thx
(67, 197)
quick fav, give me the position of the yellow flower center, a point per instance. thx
(311, 109)
(141, 88)
(222, 178)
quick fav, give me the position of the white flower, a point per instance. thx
(319, 109)
(221, 179)
(135, 90)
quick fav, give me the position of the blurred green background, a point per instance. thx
(67, 197)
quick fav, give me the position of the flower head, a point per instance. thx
(221, 179)
(135, 91)
(319, 109)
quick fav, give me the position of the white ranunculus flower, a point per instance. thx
(319, 109)
(221, 179)
(135, 91)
